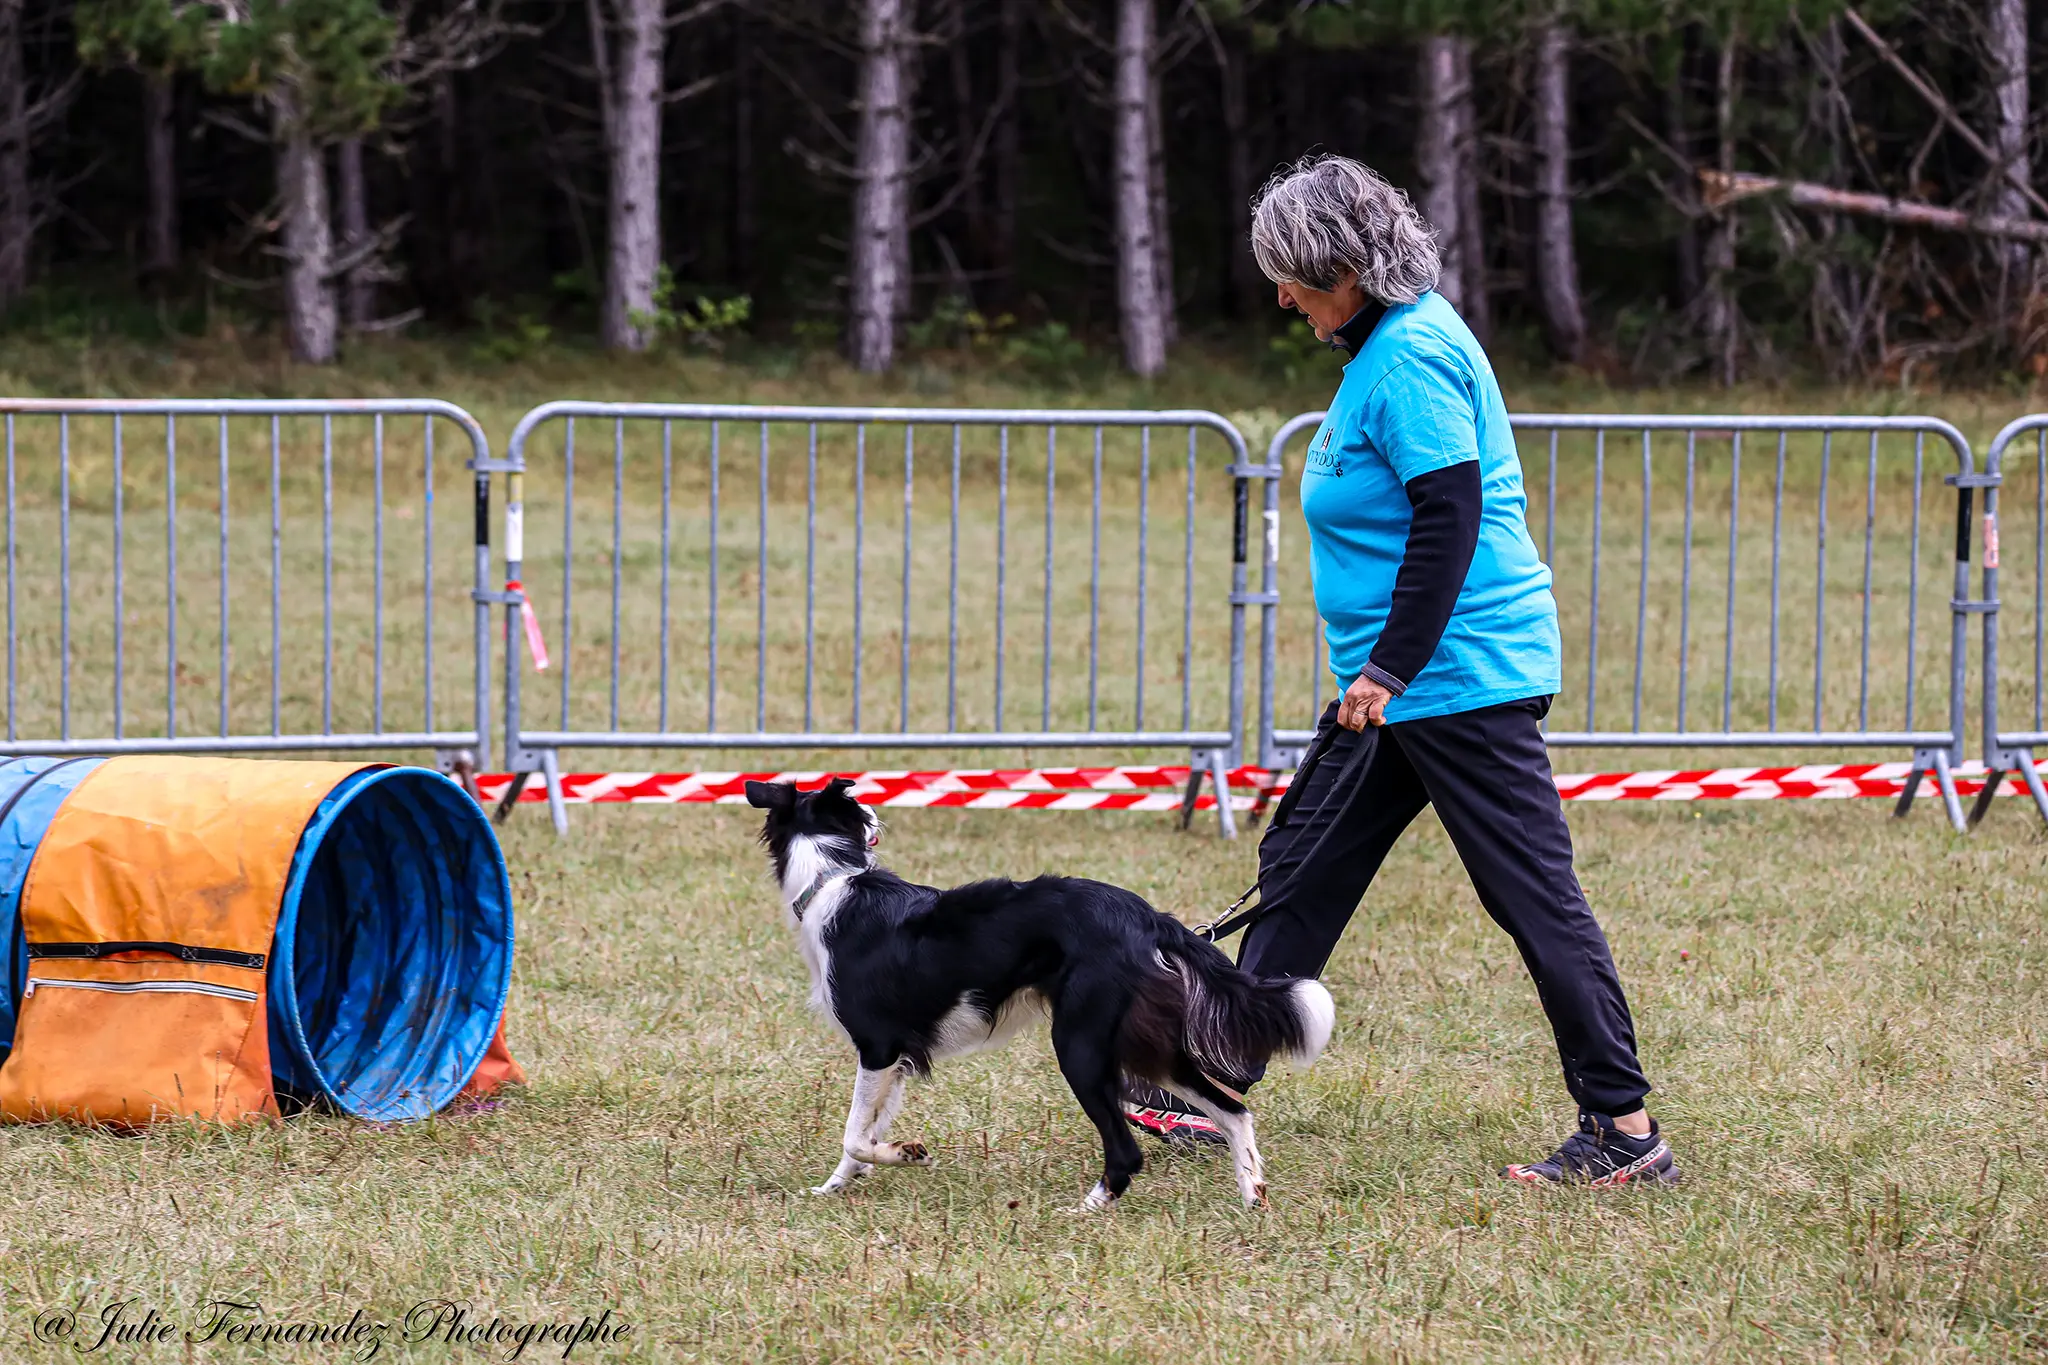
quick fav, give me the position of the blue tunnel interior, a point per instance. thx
(393, 951)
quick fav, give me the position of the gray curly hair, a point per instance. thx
(1327, 214)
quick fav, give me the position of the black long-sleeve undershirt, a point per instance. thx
(1442, 537)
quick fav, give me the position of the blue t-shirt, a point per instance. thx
(1420, 396)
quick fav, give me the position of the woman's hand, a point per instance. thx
(1365, 703)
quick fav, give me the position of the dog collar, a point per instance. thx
(810, 893)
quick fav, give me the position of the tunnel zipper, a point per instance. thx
(142, 987)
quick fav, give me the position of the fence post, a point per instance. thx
(520, 761)
(483, 617)
(1999, 758)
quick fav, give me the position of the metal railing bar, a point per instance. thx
(1734, 540)
(884, 739)
(120, 613)
(667, 532)
(1002, 561)
(376, 567)
(1820, 579)
(1144, 527)
(1095, 580)
(1869, 553)
(860, 521)
(1642, 591)
(1187, 621)
(427, 582)
(1593, 628)
(1913, 583)
(327, 578)
(811, 571)
(276, 578)
(1045, 649)
(13, 697)
(171, 576)
(903, 641)
(568, 560)
(618, 552)
(953, 594)
(710, 602)
(225, 655)
(761, 597)
(1685, 577)
(1777, 548)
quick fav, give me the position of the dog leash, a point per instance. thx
(1349, 781)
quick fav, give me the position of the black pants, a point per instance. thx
(1488, 775)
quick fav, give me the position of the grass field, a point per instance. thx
(1843, 1014)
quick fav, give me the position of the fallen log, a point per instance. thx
(1718, 189)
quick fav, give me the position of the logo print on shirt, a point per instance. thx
(1321, 460)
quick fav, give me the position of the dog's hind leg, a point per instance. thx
(1234, 1121)
(1086, 1051)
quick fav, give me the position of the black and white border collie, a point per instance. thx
(912, 974)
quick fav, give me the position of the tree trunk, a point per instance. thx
(966, 125)
(1477, 305)
(1162, 215)
(160, 171)
(1241, 277)
(308, 238)
(359, 296)
(1557, 261)
(633, 148)
(881, 201)
(1137, 265)
(1720, 284)
(1436, 158)
(1678, 132)
(742, 153)
(17, 217)
(1008, 153)
(2006, 38)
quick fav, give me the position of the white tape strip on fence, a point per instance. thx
(1158, 788)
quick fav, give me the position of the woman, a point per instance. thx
(1443, 634)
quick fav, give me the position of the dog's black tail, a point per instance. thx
(1227, 1021)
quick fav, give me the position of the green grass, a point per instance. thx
(1842, 1014)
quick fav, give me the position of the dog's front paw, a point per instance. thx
(914, 1154)
(841, 1178)
(1255, 1196)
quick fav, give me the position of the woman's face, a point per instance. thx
(1325, 309)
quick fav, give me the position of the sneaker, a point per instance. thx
(1600, 1154)
(1168, 1117)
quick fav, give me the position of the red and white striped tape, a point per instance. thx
(1158, 788)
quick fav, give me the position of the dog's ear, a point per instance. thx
(840, 786)
(771, 795)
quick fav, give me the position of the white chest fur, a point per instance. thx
(807, 864)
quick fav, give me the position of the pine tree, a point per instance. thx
(319, 71)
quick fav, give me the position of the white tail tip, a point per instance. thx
(1318, 1018)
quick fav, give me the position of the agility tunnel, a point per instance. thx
(226, 939)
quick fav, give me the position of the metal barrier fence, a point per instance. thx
(1739, 609)
(674, 535)
(2013, 750)
(106, 644)
(1663, 461)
